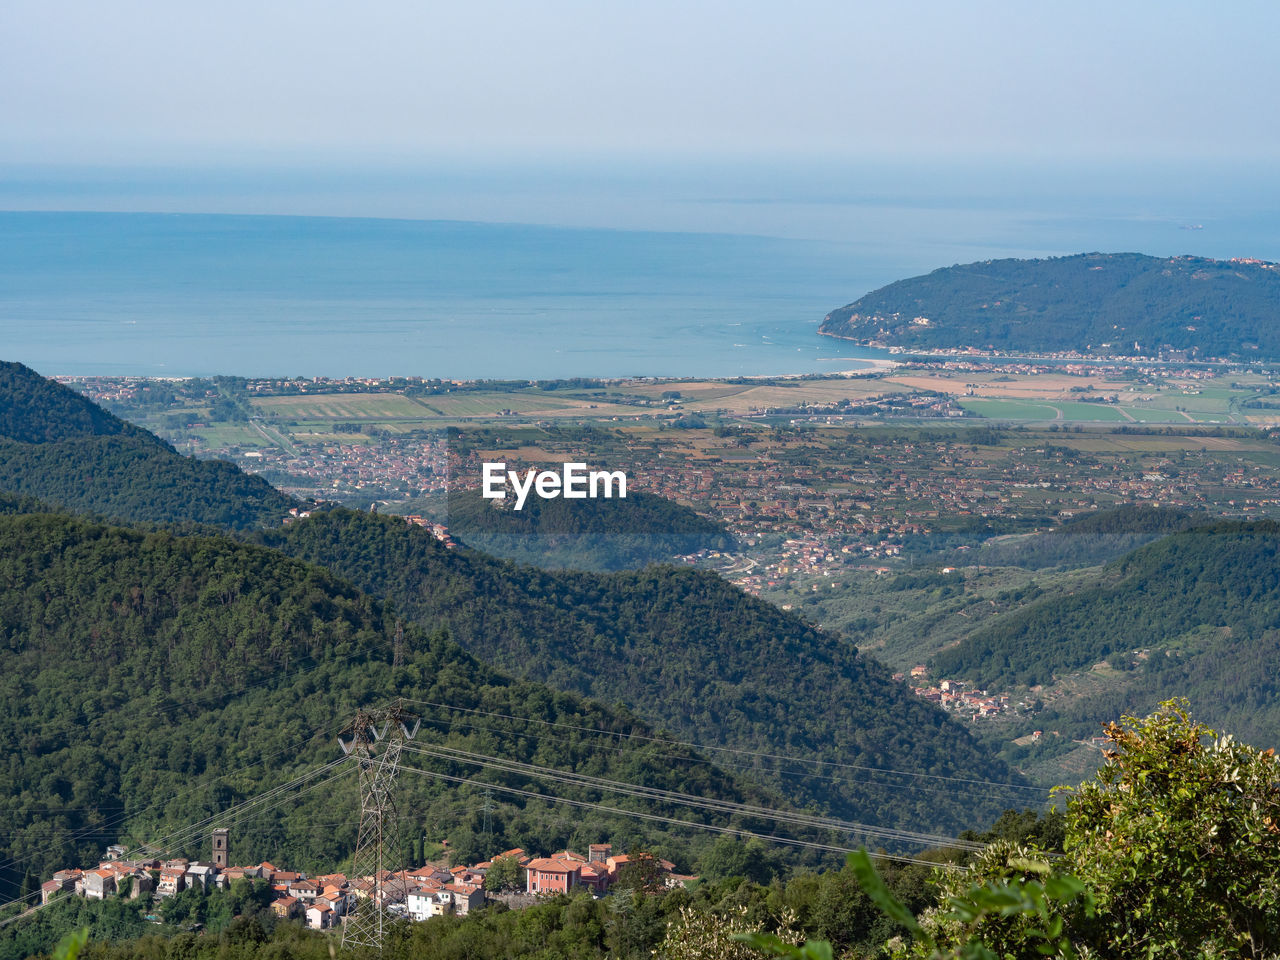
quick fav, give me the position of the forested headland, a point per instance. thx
(1106, 304)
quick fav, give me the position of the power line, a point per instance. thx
(202, 828)
(193, 831)
(734, 831)
(738, 750)
(692, 800)
(90, 831)
(734, 765)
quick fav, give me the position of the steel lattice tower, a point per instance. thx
(377, 737)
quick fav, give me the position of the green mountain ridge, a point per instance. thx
(38, 410)
(684, 650)
(60, 448)
(1102, 303)
(152, 677)
(689, 652)
(1086, 541)
(588, 534)
(1202, 603)
(148, 680)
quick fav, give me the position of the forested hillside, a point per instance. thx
(150, 680)
(1095, 538)
(588, 534)
(1216, 583)
(690, 653)
(1103, 303)
(36, 410)
(684, 650)
(58, 447)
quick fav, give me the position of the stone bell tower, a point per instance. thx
(220, 848)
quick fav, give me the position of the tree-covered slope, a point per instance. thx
(1103, 303)
(1095, 538)
(588, 534)
(134, 480)
(1219, 578)
(688, 652)
(36, 410)
(148, 680)
(58, 447)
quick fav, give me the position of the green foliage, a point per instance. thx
(722, 935)
(1017, 906)
(1178, 836)
(1015, 911)
(148, 680)
(642, 873)
(1217, 575)
(504, 873)
(69, 947)
(215, 910)
(58, 447)
(1130, 518)
(128, 478)
(11, 504)
(68, 920)
(684, 649)
(1170, 851)
(36, 410)
(589, 534)
(1094, 539)
(1213, 307)
(731, 857)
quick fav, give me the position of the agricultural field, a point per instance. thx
(1047, 386)
(741, 398)
(347, 406)
(534, 405)
(1013, 410)
(225, 435)
(391, 409)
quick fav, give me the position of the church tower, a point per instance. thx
(220, 848)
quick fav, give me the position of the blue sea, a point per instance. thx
(735, 284)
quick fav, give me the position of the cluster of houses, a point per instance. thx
(319, 901)
(438, 530)
(322, 901)
(955, 695)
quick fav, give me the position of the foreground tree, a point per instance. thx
(1177, 837)
(1171, 851)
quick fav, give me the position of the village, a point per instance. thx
(810, 506)
(956, 696)
(513, 877)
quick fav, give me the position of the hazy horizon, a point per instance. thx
(140, 82)
(1221, 208)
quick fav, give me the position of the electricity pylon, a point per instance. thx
(377, 737)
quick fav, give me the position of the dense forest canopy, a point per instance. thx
(690, 653)
(58, 447)
(128, 479)
(1095, 538)
(148, 680)
(1215, 585)
(1115, 304)
(588, 534)
(36, 410)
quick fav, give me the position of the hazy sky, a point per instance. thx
(132, 81)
